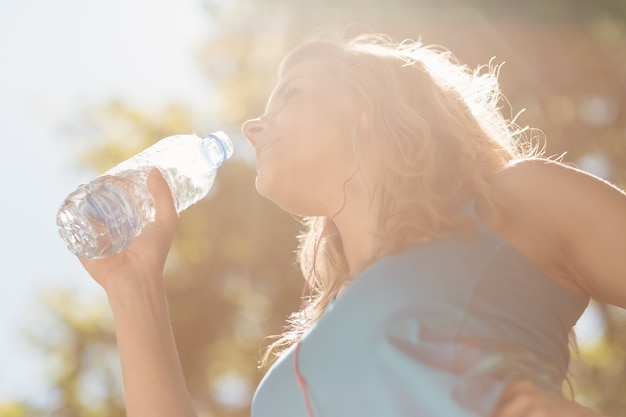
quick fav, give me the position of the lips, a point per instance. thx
(261, 149)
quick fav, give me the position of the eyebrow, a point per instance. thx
(278, 92)
(285, 84)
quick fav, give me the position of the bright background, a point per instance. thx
(56, 58)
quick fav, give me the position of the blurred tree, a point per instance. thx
(599, 369)
(230, 275)
(84, 373)
(15, 409)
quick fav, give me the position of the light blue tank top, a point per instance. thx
(436, 330)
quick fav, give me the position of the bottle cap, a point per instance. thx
(223, 139)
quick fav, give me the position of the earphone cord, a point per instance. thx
(299, 378)
(302, 381)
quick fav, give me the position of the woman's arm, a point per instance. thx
(154, 384)
(593, 229)
(572, 224)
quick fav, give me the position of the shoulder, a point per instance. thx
(546, 173)
(563, 219)
(552, 190)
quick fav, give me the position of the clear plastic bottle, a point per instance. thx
(104, 216)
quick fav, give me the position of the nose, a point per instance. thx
(252, 129)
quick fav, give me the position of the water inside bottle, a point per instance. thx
(104, 216)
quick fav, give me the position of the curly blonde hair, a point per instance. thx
(435, 136)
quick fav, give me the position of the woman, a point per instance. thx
(444, 267)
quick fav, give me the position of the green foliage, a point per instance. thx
(78, 339)
(599, 368)
(121, 131)
(14, 409)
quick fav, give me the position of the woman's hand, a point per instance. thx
(525, 399)
(147, 253)
(153, 380)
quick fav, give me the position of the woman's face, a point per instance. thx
(303, 142)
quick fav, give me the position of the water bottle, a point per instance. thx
(104, 216)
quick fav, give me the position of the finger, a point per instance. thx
(520, 387)
(165, 209)
(515, 399)
(515, 407)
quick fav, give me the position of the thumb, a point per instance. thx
(165, 208)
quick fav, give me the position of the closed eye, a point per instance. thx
(290, 92)
(282, 96)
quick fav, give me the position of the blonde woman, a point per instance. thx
(444, 262)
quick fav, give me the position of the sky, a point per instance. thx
(56, 58)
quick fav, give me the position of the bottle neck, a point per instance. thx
(219, 146)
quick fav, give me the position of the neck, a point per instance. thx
(357, 226)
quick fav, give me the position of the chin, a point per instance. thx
(261, 188)
(286, 201)
(268, 190)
